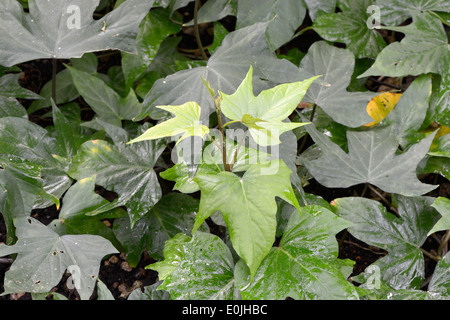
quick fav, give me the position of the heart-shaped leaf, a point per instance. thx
(249, 212)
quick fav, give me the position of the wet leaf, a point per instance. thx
(124, 169)
(403, 267)
(424, 49)
(66, 29)
(349, 26)
(442, 205)
(196, 268)
(174, 213)
(394, 12)
(330, 91)
(249, 212)
(371, 159)
(43, 257)
(305, 262)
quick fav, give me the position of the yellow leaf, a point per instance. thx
(380, 106)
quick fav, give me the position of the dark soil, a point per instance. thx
(115, 272)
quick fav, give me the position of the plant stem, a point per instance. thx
(444, 241)
(430, 255)
(54, 79)
(222, 136)
(301, 32)
(237, 149)
(230, 122)
(383, 198)
(305, 137)
(197, 33)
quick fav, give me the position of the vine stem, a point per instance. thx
(197, 33)
(305, 137)
(54, 79)
(444, 241)
(383, 198)
(222, 136)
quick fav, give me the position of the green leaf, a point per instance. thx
(66, 30)
(249, 212)
(403, 266)
(440, 281)
(124, 169)
(439, 165)
(196, 268)
(371, 159)
(224, 71)
(284, 18)
(83, 210)
(104, 100)
(441, 147)
(150, 293)
(24, 139)
(20, 187)
(43, 257)
(185, 122)
(10, 89)
(264, 114)
(65, 92)
(65, 88)
(442, 205)
(317, 7)
(173, 214)
(330, 93)
(424, 49)
(154, 28)
(394, 12)
(349, 26)
(305, 265)
(407, 117)
(242, 158)
(69, 136)
(213, 11)
(440, 102)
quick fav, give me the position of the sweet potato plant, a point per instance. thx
(209, 154)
